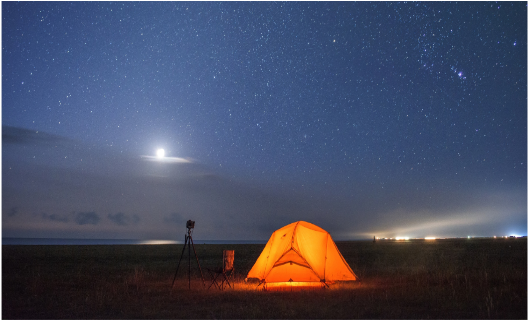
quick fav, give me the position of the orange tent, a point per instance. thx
(301, 252)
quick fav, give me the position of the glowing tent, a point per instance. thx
(301, 252)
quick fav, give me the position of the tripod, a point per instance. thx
(189, 242)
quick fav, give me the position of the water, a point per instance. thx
(57, 241)
(229, 242)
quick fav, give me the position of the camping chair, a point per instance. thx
(226, 270)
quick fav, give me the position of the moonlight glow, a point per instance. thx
(160, 153)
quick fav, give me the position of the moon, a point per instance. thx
(160, 153)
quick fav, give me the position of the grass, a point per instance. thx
(442, 279)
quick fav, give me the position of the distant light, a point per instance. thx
(404, 238)
(160, 153)
(430, 238)
(158, 242)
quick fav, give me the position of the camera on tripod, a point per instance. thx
(189, 243)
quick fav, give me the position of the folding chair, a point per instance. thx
(226, 270)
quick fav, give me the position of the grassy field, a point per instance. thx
(442, 279)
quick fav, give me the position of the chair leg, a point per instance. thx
(214, 277)
(216, 283)
(227, 280)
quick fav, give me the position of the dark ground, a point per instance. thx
(441, 279)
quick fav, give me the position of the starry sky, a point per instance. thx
(364, 118)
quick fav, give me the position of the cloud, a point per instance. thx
(229, 207)
(174, 218)
(54, 217)
(12, 211)
(17, 135)
(167, 159)
(123, 219)
(83, 218)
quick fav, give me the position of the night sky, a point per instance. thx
(387, 119)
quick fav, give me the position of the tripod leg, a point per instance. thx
(182, 255)
(189, 263)
(193, 244)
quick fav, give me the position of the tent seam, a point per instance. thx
(325, 265)
(344, 261)
(293, 235)
(268, 257)
(310, 266)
